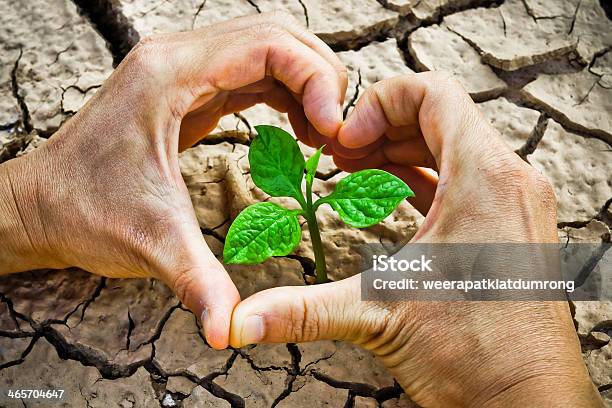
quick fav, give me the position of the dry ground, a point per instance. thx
(541, 70)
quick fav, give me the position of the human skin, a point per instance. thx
(105, 193)
(444, 354)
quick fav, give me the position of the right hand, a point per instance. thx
(443, 354)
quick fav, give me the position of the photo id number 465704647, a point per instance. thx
(33, 394)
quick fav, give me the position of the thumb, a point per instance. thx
(332, 311)
(203, 285)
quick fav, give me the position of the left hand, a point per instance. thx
(106, 194)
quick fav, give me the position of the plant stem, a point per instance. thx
(315, 237)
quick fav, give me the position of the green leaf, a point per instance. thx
(260, 231)
(312, 163)
(277, 164)
(367, 197)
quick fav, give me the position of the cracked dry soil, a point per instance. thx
(541, 71)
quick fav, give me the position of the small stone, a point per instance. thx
(168, 401)
(599, 364)
(435, 48)
(589, 314)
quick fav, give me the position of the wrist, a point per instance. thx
(563, 390)
(24, 246)
(538, 367)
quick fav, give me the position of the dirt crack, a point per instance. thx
(23, 355)
(160, 327)
(574, 17)
(25, 113)
(109, 21)
(254, 5)
(305, 13)
(534, 137)
(197, 13)
(603, 215)
(206, 382)
(354, 97)
(78, 89)
(361, 389)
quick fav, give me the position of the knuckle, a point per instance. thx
(442, 78)
(148, 56)
(443, 84)
(267, 31)
(379, 87)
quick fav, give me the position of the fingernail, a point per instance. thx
(252, 330)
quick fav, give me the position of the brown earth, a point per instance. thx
(541, 70)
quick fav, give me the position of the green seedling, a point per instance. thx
(263, 230)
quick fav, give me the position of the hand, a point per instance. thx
(443, 354)
(105, 193)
